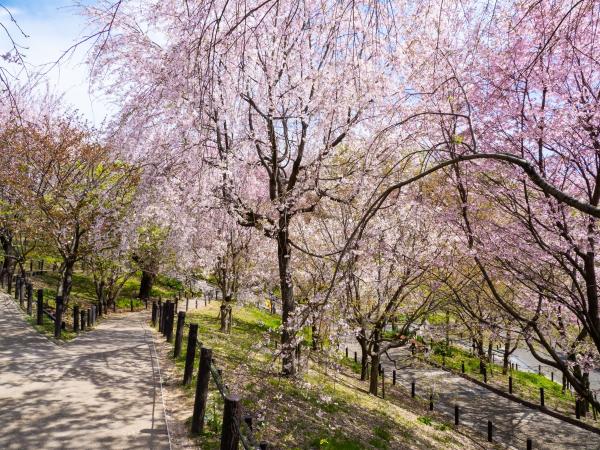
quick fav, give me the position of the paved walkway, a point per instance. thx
(100, 390)
(513, 423)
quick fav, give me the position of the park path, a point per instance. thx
(513, 423)
(100, 390)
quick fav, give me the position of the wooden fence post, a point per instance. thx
(510, 384)
(201, 390)
(529, 444)
(170, 321)
(190, 354)
(160, 316)
(412, 389)
(75, 318)
(58, 316)
(394, 377)
(29, 298)
(154, 311)
(456, 415)
(490, 431)
(89, 317)
(542, 397)
(179, 333)
(230, 431)
(40, 306)
(82, 324)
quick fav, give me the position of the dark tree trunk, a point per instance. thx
(480, 355)
(316, 338)
(364, 356)
(506, 354)
(146, 284)
(10, 256)
(284, 253)
(66, 281)
(373, 382)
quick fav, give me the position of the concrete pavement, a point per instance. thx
(99, 391)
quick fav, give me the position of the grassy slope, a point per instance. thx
(327, 408)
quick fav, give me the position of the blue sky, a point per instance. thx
(52, 27)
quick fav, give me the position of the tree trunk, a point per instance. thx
(480, 355)
(146, 285)
(364, 356)
(505, 361)
(66, 282)
(316, 338)
(222, 317)
(284, 253)
(373, 383)
(10, 257)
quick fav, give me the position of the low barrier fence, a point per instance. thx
(236, 427)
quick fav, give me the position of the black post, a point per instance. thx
(190, 354)
(542, 397)
(394, 377)
(82, 324)
(382, 383)
(430, 402)
(490, 431)
(17, 282)
(201, 390)
(485, 375)
(355, 357)
(179, 333)
(75, 318)
(40, 306)
(412, 389)
(187, 302)
(346, 352)
(29, 298)
(230, 434)
(89, 317)
(529, 444)
(510, 384)
(160, 316)
(577, 409)
(58, 316)
(462, 366)
(170, 321)
(456, 415)
(154, 311)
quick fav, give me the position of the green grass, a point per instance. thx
(322, 409)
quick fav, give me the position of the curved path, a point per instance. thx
(512, 422)
(100, 390)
